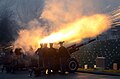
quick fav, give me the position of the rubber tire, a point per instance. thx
(72, 62)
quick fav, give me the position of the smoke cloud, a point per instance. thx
(68, 20)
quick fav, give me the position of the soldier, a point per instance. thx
(39, 52)
(52, 58)
(18, 54)
(46, 57)
(9, 61)
(63, 56)
(13, 62)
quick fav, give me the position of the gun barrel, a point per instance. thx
(74, 48)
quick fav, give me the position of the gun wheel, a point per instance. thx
(72, 65)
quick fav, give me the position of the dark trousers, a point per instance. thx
(63, 62)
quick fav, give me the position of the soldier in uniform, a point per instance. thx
(13, 62)
(52, 58)
(63, 56)
(46, 57)
(9, 61)
(39, 52)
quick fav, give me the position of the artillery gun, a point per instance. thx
(71, 64)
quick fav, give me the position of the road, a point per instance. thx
(57, 76)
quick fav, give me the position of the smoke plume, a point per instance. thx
(67, 21)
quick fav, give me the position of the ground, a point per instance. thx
(24, 75)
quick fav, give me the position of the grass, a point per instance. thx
(92, 69)
(113, 71)
(86, 69)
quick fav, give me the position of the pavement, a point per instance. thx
(77, 75)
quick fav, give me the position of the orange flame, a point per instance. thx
(82, 28)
